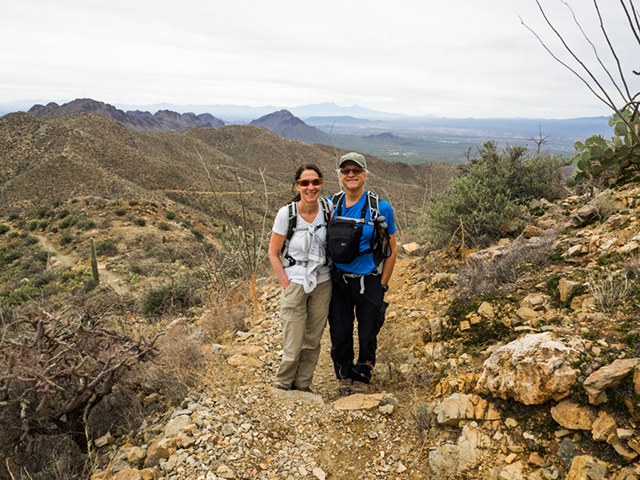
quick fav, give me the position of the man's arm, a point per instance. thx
(390, 262)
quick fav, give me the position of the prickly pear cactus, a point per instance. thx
(621, 154)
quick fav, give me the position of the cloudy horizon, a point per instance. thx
(466, 59)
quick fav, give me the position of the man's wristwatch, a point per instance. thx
(385, 288)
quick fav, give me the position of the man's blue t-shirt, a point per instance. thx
(364, 264)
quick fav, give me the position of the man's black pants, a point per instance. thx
(369, 308)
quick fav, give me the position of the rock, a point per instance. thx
(176, 425)
(569, 415)
(319, 473)
(604, 426)
(629, 473)
(512, 472)
(453, 409)
(434, 351)
(533, 301)
(225, 472)
(136, 455)
(584, 215)
(443, 278)
(607, 377)
(239, 360)
(525, 314)
(585, 467)
(106, 439)
(361, 401)
(567, 289)
(486, 311)
(567, 451)
(127, 474)
(532, 370)
(411, 247)
(627, 456)
(530, 231)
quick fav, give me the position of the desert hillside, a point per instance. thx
(536, 381)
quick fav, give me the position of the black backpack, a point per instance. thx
(344, 234)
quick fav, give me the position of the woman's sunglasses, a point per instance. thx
(347, 171)
(306, 182)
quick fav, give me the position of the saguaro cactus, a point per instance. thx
(94, 262)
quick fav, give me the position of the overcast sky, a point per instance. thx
(460, 58)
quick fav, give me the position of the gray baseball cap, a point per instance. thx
(354, 157)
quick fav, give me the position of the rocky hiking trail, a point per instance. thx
(535, 385)
(248, 429)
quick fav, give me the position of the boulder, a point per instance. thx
(531, 370)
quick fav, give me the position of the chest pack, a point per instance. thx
(292, 227)
(344, 233)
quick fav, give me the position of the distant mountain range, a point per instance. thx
(389, 136)
(136, 120)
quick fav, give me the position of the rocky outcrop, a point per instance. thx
(531, 370)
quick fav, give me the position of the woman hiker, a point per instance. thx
(298, 257)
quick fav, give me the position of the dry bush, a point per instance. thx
(52, 375)
(517, 262)
(609, 288)
(224, 319)
(180, 366)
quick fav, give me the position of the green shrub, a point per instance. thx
(121, 212)
(107, 247)
(197, 233)
(66, 238)
(32, 225)
(63, 213)
(133, 203)
(486, 201)
(13, 216)
(170, 215)
(168, 298)
(68, 221)
(4, 229)
(141, 222)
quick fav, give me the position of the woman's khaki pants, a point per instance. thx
(303, 317)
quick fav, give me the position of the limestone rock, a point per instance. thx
(607, 377)
(567, 289)
(585, 467)
(176, 425)
(361, 401)
(532, 370)
(486, 310)
(604, 426)
(569, 415)
(584, 215)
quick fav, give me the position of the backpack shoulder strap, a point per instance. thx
(287, 260)
(324, 205)
(292, 223)
(374, 205)
(337, 202)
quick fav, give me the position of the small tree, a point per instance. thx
(484, 201)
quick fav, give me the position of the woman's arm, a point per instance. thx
(275, 246)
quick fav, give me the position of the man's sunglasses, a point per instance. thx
(347, 171)
(306, 182)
